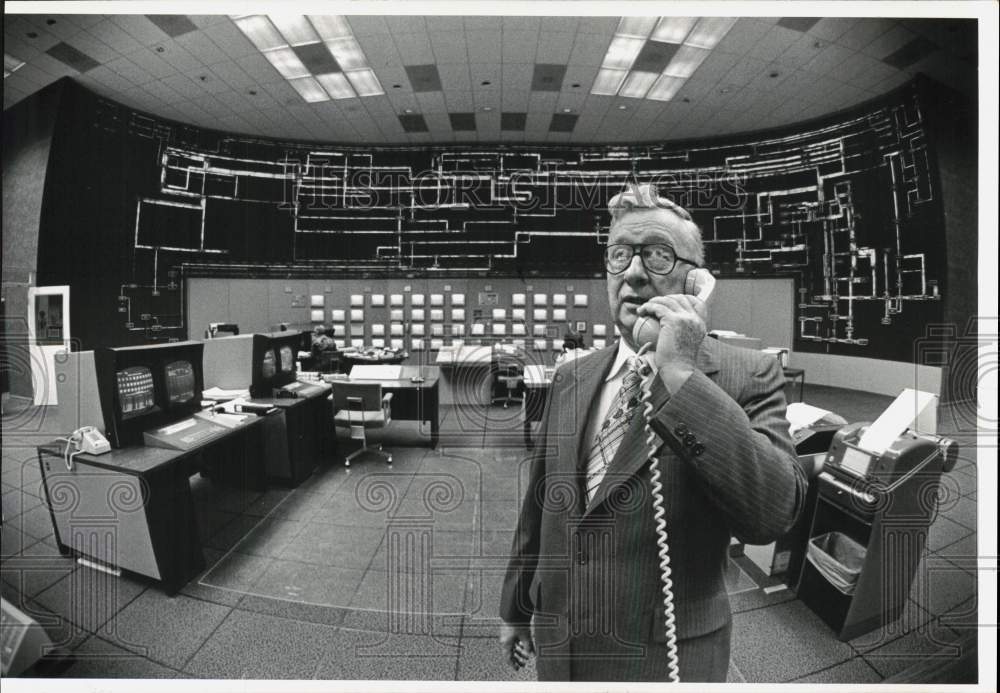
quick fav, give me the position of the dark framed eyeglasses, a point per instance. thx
(657, 258)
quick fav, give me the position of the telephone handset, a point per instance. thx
(84, 440)
(699, 282)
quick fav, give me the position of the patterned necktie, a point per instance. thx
(610, 435)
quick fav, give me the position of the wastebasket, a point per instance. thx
(838, 558)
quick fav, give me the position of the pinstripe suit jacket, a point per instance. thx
(589, 576)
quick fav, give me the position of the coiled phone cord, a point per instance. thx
(648, 373)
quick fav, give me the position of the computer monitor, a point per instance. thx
(273, 362)
(148, 386)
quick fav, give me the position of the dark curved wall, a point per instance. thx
(850, 206)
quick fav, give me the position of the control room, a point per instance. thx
(556, 345)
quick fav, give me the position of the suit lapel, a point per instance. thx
(633, 453)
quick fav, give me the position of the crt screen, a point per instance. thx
(287, 359)
(267, 366)
(135, 390)
(180, 382)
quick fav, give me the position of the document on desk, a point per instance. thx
(220, 395)
(801, 415)
(376, 372)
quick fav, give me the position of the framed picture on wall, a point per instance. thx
(317, 300)
(581, 326)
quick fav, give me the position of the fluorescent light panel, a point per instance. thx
(294, 27)
(608, 81)
(287, 63)
(348, 53)
(274, 36)
(261, 32)
(309, 89)
(330, 26)
(694, 36)
(673, 29)
(10, 65)
(686, 60)
(622, 52)
(709, 31)
(365, 82)
(336, 85)
(637, 84)
(636, 26)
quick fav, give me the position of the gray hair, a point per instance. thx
(645, 196)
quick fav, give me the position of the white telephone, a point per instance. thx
(84, 440)
(699, 282)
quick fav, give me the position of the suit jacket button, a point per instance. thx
(698, 449)
(681, 430)
(690, 440)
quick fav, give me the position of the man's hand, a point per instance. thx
(682, 329)
(517, 643)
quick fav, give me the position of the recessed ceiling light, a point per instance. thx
(686, 100)
(725, 90)
(623, 107)
(397, 86)
(567, 110)
(575, 85)
(818, 44)
(486, 83)
(487, 108)
(252, 92)
(50, 22)
(160, 49)
(407, 110)
(203, 78)
(774, 74)
(31, 34)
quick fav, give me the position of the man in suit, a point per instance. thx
(585, 564)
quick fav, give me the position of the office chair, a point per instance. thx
(358, 407)
(509, 374)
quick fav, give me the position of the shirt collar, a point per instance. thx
(625, 352)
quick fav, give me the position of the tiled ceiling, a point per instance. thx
(488, 79)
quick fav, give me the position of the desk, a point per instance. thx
(537, 380)
(467, 374)
(132, 508)
(414, 401)
(794, 374)
(309, 431)
(350, 359)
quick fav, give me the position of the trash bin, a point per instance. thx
(838, 558)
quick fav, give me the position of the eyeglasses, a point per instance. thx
(658, 258)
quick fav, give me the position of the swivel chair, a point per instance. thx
(509, 375)
(359, 407)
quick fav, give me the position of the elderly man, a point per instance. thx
(585, 563)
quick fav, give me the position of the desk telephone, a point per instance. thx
(699, 282)
(84, 440)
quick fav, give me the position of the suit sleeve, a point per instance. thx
(740, 451)
(516, 605)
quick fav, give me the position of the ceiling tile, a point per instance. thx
(514, 100)
(437, 122)
(463, 121)
(799, 24)
(802, 50)
(545, 102)
(150, 61)
(130, 71)
(889, 42)
(518, 76)
(559, 24)
(413, 122)
(63, 28)
(442, 23)
(116, 37)
(745, 70)
(492, 24)
(52, 67)
(828, 59)
(423, 77)
(316, 58)
(92, 46)
(40, 39)
(448, 47)
(563, 122)
(598, 25)
(864, 32)
(547, 77)
(380, 51)
(391, 76)
(519, 48)
(554, 47)
(257, 68)
(459, 101)
(431, 102)
(484, 72)
(379, 106)
(77, 60)
(832, 28)
(150, 29)
(414, 49)
(108, 78)
(579, 74)
(406, 24)
(744, 35)
(401, 100)
(230, 40)
(483, 99)
(484, 47)
(231, 73)
(201, 47)
(455, 76)
(179, 58)
(368, 25)
(777, 40)
(589, 49)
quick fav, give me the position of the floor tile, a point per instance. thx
(91, 598)
(354, 654)
(964, 479)
(294, 610)
(98, 658)
(308, 583)
(944, 532)
(201, 588)
(499, 515)
(932, 642)
(798, 643)
(168, 630)
(18, 501)
(333, 545)
(30, 575)
(940, 585)
(234, 572)
(963, 511)
(249, 645)
(416, 593)
(855, 670)
(269, 536)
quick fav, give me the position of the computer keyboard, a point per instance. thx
(199, 436)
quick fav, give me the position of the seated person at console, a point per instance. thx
(325, 356)
(573, 346)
